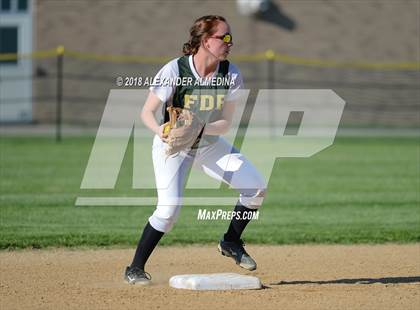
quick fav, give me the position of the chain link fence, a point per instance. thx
(71, 88)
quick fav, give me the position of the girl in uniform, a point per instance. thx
(205, 58)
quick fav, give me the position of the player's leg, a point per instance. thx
(170, 174)
(224, 163)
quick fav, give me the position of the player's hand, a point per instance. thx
(160, 133)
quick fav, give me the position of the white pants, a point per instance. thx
(219, 160)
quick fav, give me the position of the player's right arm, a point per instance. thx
(148, 114)
(157, 96)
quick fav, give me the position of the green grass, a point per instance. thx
(360, 190)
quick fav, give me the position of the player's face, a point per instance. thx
(220, 42)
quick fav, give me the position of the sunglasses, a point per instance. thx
(227, 38)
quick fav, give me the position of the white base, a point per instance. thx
(215, 281)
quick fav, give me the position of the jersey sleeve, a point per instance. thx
(161, 83)
(238, 84)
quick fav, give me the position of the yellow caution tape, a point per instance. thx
(337, 64)
(33, 55)
(117, 58)
(269, 55)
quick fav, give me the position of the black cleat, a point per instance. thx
(135, 275)
(236, 251)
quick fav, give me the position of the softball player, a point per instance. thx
(204, 58)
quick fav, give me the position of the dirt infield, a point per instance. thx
(297, 277)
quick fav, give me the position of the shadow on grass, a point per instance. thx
(389, 280)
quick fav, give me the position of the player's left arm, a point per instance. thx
(222, 125)
(232, 97)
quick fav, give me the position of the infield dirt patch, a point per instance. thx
(296, 277)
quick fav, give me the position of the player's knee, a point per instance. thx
(163, 224)
(164, 217)
(253, 199)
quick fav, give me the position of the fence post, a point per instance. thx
(270, 55)
(59, 92)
